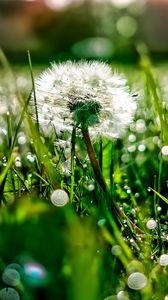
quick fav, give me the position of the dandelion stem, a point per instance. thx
(98, 174)
(72, 164)
(93, 159)
(101, 155)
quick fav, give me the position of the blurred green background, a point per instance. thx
(99, 29)
(59, 253)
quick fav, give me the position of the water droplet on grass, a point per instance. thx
(9, 294)
(163, 260)
(35, 275)
(137, 281)
(122, 295)
(59, 198)
(116, 250)
(30, 158)
(164, 150)
(101, 222)
(141, 147)
(11, 277)
(151, 224)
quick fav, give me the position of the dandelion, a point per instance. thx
(89, 94)
(84, 97)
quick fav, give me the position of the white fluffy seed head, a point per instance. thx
(137, 281)
(11, 277)
(59, 198)
(9, 294)
(163, 260)
(151, 224)
(60, 90)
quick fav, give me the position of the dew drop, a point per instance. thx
(22, 139)
(159, 208)
(59, 198)
(116, 250)
(151, 224)
(101, 222)
(131, 148)
(164, 150)
(9, 294)
(11, 277)
(35, 275)
(122, 295)
(125, 158)
(141, 148)
(30, 158)
(140, 126)
(91, 187)
(163, 260)
(132, 138)
(137, 281)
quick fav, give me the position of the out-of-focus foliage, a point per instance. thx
(76, 29)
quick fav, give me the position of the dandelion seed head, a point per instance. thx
(87, 93)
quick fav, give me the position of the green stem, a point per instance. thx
(94, 162)
(101, 155)
(119, 214)
(72, 164)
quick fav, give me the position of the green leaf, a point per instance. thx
(160, 196)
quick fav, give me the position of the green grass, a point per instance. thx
(88, 254)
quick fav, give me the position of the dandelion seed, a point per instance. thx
(87, 93)
(137, 281)
(59, 198)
